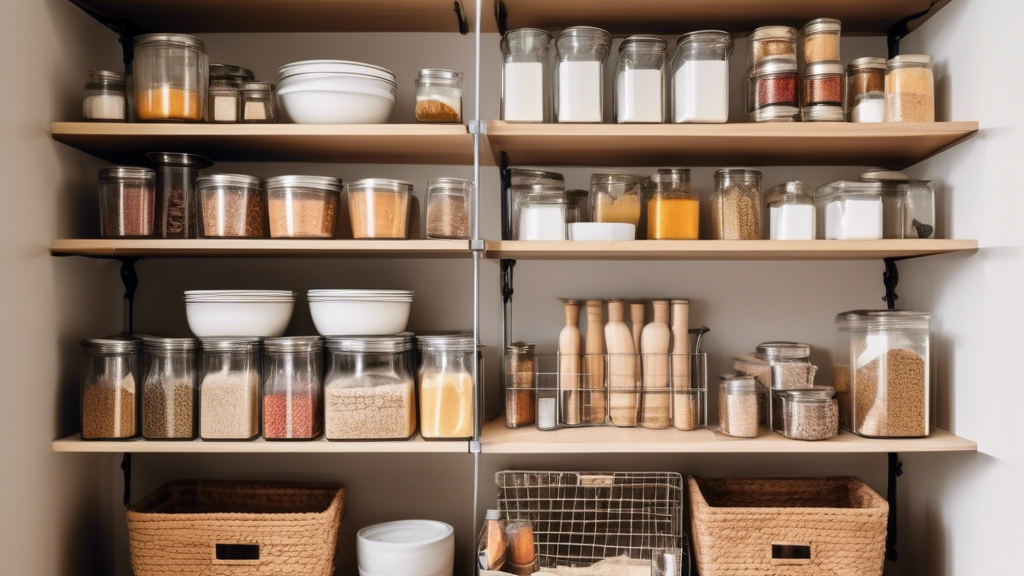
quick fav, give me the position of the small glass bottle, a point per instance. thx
(492, 545)
(104, 99)
(171, 76)
(772, 89)
(640, 81)
(739, 405)
(127, 202)
(616, 198)
(865, 90)
(673, 210)
(169, 388)
(520, 384)
(524, 76)
(579, 81)
(439, 96)
(736, 205)
(446, 389)
(229, 390)
(910, 89)
(110, 388)
(292, 388)
(790, 213)
(177, 203)
(823, 93)
(448, 201)
(771, 42)
(700, 77)
(258, 103)
(821, 40)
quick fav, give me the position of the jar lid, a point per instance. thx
(776, 113)
(297, 181)
(179, 39)
(823, 113)
(108, 76)
(227, 180)
(493, 515)
(884, 176)
(127, 173)
(827, 67)
(227, 71)
(293, 344)
(741, 173)
(381, 184)
(179, 159)
(739, 383)
(643, 43)
(228, 344)
(541, 194)
(867, 63)
(260, 86)
(883, 319)
(165, 344)
(816, 395)
(819, 25)
(670, 176)
(705, 36)
(773, 32)
(784, 349)
(395, 343)
(440, 74)
(111, 345)
(791, 192)
(775, 65)
(849, 189)
(585, 33)
(522, 176)
(909, 60)
(519, 32)
(455, 341)
(619, 181)
(521, 347)
(449, 186)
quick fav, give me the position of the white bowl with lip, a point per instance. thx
(242, 313)
(406, 548)
(360, 312)
(601, 231)
(336, 92)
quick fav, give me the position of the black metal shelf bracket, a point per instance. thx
(501, 16)
(506, 186)
(899, 31)
(126, 32)
(895, 471)
(126, 470)
(463, 25)
(890, 278)
(130, 279)
(507, 266)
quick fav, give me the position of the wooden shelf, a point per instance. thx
(342, 143)
(788, 144)
(263, 247)
(498, 439)
(725, 249)
(74, 443)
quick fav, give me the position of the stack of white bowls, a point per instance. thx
(336, 92)
(243, 313)
(406, 548)
(360, 312)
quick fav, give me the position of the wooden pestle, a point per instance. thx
(680, 344)
(594, 396)
(654, 345)
(622, 380)
(636, 321)
(569, 364)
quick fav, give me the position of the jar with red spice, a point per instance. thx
(292, 388)
(823, 92)
(772, 90)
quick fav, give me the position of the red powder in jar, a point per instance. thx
(775, 89)
(276, 421)
(823, 90)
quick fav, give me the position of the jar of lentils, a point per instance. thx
(772, 90)
(823, 92)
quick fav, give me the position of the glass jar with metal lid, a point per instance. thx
(448, 214)
(519, 182)
(524, 76)
(127, 198)
(821, 40)
(824, 92)
(790, 364)
(908, 206)
(379, 208)
(639, 95)
(169, 388)
(258, 103)
(520, 384)
(579, 83)
(736, 205)
(540, 212)
(302, 206)
(104, 99)
(446, 388)
(177, 203)
(292, 387)
(616, 197)
(439, 96)
(224, 94)
(673, 210)
(171, 75)
(229, 389)
(772, 88)
(790, 213)
(110, 387)
(865, 90)
(910, 89)
(771, 42)
(810, 414)
(849, 210)
(370, 388)
(740, 403)
(700, 77)
(231, 206)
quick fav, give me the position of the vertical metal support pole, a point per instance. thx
(126, 470)
(890, 278)
(895, 471)
(477, 380)
(130, 279)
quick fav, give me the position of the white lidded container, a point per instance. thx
(360, 312)
(849, 210)
(700, 77)
(790, 213)
(524, 76)
(239, 313)
(640, 81)
(579, 80)
(406, 548)
(336, 92)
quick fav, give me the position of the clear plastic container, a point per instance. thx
(908, 206)
(292, 388)
(370, 390)
(881, 372)
(579, 81)
(229, 389)
(771, 42)
(811, 414)
(258, 103)
(104, 99)
(127, 198)
(439, 96)
(110, 391)
(521, 180)
(639, 95)
(673, 210)
(790, 213)
(540, 212)
(865, 90)
(820, 40)
(225, 97)
(302, 206)
(823, 92)
(171, 76)
(616, 198)
(379, 208)
(520, 384)
(910, 89)
(700, 77)
(524, 76)
(736, 205)
(177, 201)
(231, 206)
(169, 388)
(849, 210)
(446, 388)
(448, 202)
(740, 403)
(772, 89)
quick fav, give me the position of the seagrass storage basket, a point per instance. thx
(797, 527)
(236, 528)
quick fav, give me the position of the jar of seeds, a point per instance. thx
(821, 40)
(169, 388)
(910, 89)
(229, 390)
(771, 42)
(520, 384)
(810, 414)
(740, 400)
(109, 382)
(448, 202)
(736, 205)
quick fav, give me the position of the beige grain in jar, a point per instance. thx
(910, 89)
(379, 208)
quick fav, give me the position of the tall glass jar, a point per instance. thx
(910, 89)
(700, 77)
(524, 76)
(439, 96)
(127, 202)
(370, 389)
(736, 205)
(740, 401)
(616, 198)
(224, 94)
(790, 213)
(292, 387)
(823, 92)
(171, 74)
(169, 388)
(821, 40)
(520, 181)
(640, 81)
(673, 210)
(177, 202)
(231, 206)
(540, 212)
(908, 206)
(772, 88)
(448, 201)
(579, 81)
(520, 384)
(258, 103)
(771, 42)
(109, 384)
(865, 90)
(446, 388)
(229, 390)
(104, 98)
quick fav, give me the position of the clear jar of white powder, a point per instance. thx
(700, 77)
(640, 81)
(579, 81)
(849, 210)
(790, 213)
(104, 98)
(524, 76)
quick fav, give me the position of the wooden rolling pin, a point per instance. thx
(594, 396)
(636, 321)
(622, 381)
(654, 345)
(569, 363)
(680, 344)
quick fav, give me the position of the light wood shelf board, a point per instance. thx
(261, 247)
(74, 443)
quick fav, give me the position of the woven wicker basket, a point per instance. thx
(235, 529)
(798, 527)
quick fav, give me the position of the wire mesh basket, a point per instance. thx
(580, 518)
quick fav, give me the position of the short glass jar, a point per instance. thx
(524, 76)
(849, 210)
(820, 40)
(640, 81)
(104, 98)
(865, 90)
(302, 206)
(520, 384)
(229, 389)
(910, 89)
(790, 213)
(616, 198)
(448, 201)
(736, 205)
(110, 388)
(258, 103)
(673, 210)
(169, 388)
(771, 42)
(700, 77)
(521, 181)
(292, 387)
(579, 81)
(379, 208)
(908, 206)
(811, 414)
(540, 212)
(177, 200)
(127, 197)
(446, 389)
(740, 401)
(224, 95)
(171, 74)
(772, 89)
(823, 92)
(779, 365)
(231, 206)
(439, 96)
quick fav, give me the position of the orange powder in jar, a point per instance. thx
(168, 104)
(673, 218)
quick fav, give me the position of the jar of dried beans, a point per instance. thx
(302, 206)
(292, 387)
(169, 388)
(379, 208)
(821, 40)
(231, 206)
(740, 401)
(446, 389)
(910, 89)
(171, 74)
(772, 89)
(127, 202)
(823, 93)
(177, 206)
(520, 384)
(109, 384)
(865, 90)
(229, 389)
(448, 201)
(771, 42)
(736, 205)
(439, 96)
(673, 210)
(616, 198)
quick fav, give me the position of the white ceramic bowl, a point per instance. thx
(406, 548)
(336, 92)
(360, 312)
(263, 319)
(601, 231)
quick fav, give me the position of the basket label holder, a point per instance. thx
(790, 553)
(224, 553)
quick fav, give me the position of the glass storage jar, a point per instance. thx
(865, 90)
(169, 388)
(524, 76)
(790, 212)
(446, 388)
(448, 201)
(910, 89)
(540, 212)
(302, 206)
(520, 181)
(225, 97)
(811, 414)
(127, 202)
(616, 198)
(177, 202)
(640, 81)
(908, 206)
(740, 401)
(439, 96)
(171, 73)
(823, 93)
(104, 98)
(849, 210)
(379, 208)
(881, 372)
(258, 103)
(579, 82)
(736, 205)
(292, 387)
(700, 77)
(229, 389)
(370, 389)
(771, 42)
(821, 40)
(673, 210)
(772, 89)
(109, 384)
(231, 206)
(520, 384)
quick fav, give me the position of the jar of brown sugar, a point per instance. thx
(865, 89)
(821, 40)
(910, 89)
(771, 42)
(127, 202)
(302, 206)
(448, 202)
(772, 90)
(823, 92)
(231, 206)
(171, 76)
(520, 384)
(379, 208)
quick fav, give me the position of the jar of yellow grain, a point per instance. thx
(616, 198)
(673, 211)
(379, 208)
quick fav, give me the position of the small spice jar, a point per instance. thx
(640, 81)
(823, 93)
(224, 95)
(231, 206)
(616, 198)
(673, 210)
(772, 88)
(229, 389)
(292, 387)
(908, 206)
(169, 388)
(171, 76)
(524, 76)
(520, 384)
(579, 82)
(910, 89)
(258, 103)
(790, 213)
(127, 198)
(740, 399)
(439, 96)
(700, 77)
(810, 414)
(448, 202)
(109, 383)
(104, 99)
(302, 206)
(446, 389)
(540, 212)
(177, 202)
(820, 40)
(849, 210)
(379, 208)
(865, 90)
(736, 205)
(771, 42)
